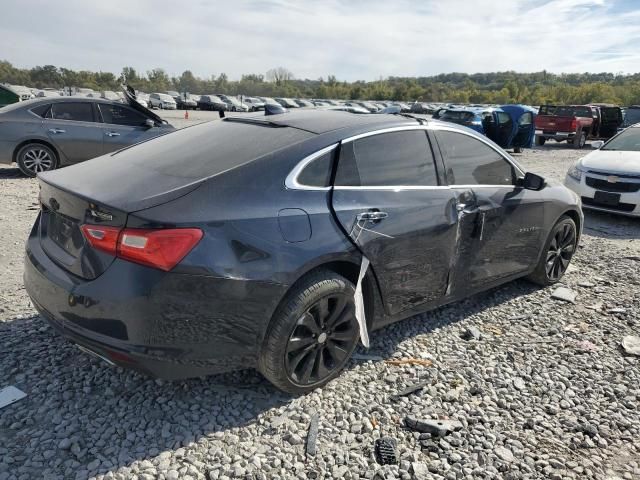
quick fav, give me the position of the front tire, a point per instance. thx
(558, 251)
(34, 158)
(517, 150)
(540, 141)
(312, 334)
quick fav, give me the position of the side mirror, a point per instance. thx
(532, 181)
(597, 144)
(149, 123)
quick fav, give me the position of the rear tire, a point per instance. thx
(558, 251)
(517, 150)
(312, 334)
(540, 141)
(580, 140)
(34, 158)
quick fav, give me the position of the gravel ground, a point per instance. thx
(542, 389)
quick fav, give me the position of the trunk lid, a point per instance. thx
(130, 96)
(62, 240)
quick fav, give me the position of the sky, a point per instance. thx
(351, 39)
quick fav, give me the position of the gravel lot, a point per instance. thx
(545, 392)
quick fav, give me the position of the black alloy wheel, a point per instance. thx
(312, 333)
(560, 251)
(322, 339)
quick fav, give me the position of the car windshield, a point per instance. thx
(565, 111)
(627, 141)
(233, 100)
(165, 98)
(457, 116)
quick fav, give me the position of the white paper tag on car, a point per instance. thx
(9, 395)
(360, 315)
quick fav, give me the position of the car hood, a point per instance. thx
(130, 97)
(612, 161)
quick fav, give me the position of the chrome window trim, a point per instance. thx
(394, 187)
(291, 182)
(384, 130)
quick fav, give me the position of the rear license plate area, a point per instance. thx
(607, 198)
(64, 233)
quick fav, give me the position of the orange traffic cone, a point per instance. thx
(186, 114)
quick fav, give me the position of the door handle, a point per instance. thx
(56, 130)
(372, 216)
(112, 134)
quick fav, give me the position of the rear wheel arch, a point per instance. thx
(349, 270)
(575, 216)
(41, 142)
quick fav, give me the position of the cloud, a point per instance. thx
(359, 39)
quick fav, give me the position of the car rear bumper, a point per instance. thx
(628, 203)
(555, 135)
(167, 325)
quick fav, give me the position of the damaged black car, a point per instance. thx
(279, 242)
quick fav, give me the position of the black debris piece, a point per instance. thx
(385, 451)
(410, 389)
(438, 428)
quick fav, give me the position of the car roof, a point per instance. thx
(323, 121)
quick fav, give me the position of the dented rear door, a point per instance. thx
(388, 201)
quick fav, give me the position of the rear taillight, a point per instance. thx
(157, 248)
(574, 125)
(101, 237)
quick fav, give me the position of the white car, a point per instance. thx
(609, 178)
(143, 99)
(162, 101)
(253, 103)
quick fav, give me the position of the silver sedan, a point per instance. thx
(48, 133)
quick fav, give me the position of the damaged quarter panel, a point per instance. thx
(252, 251)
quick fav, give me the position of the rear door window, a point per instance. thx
(78, 112)
(42, 110)
(469, 161)
(120, 115)
(390, 159)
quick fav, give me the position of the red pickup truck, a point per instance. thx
(572, 123)
(577, 123)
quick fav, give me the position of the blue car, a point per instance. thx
(510, 126)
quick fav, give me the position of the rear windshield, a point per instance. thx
(457, 116)
(565, 111)
(210, 148)
(627, 141)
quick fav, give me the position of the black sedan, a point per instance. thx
(212, 102)
(278, 242)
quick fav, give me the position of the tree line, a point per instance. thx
(498, 87)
